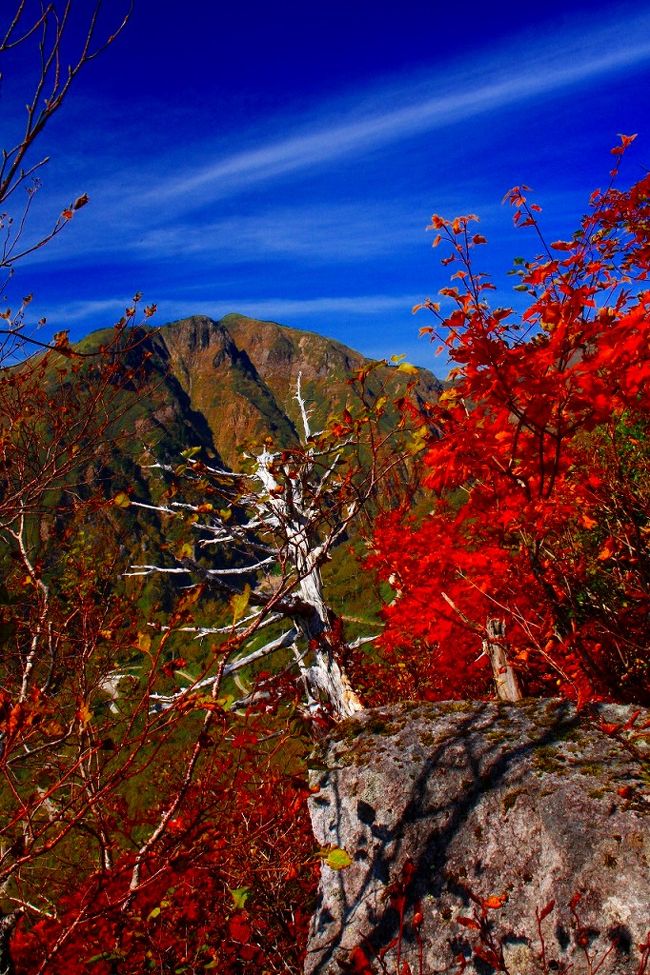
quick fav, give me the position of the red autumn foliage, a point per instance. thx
(538, 472)
(228, 887)
(132, 838)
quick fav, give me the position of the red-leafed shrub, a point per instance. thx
(538, 472)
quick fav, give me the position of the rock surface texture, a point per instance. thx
(464, 821)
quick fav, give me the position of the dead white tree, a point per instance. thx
(286, 516)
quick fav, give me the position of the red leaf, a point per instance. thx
(469, 922)
(239, 927)
(631, 721)
(546, 910)
(359, 963)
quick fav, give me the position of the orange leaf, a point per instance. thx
(627, 140)
(496, 901)
(84, 714)
(606, 551)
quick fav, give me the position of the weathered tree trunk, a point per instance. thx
(506, 680)
(326, 679)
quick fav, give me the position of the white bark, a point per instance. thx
(506, 680)
(286, 504)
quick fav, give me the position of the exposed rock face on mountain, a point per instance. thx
(222, 385)
(462, 820)
(239, 375)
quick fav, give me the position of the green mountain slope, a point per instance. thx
(225, 385)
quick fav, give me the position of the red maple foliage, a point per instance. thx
(227, 887)
(538, 468)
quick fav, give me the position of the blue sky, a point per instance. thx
(283, 160)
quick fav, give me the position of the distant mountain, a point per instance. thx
(225, 385)
(222, 386)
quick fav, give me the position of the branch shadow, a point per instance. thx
(485, 764)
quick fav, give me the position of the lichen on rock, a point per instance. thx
(446, 808)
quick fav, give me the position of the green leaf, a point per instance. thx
(336, 858)
(153, 914)
(239, 897)
(106, 956)
(190, 452)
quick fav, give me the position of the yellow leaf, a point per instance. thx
(448, 397)
(121, 500)
(144, 642)
(239, 897)
(407, 368)
(239, 603)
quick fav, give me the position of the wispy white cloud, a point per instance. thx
(281, 309)
(94, 313)
(140, 211)
(492, 83)
(333, 232)
(288, 309)
(337, 231)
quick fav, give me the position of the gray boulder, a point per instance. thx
(508, 837)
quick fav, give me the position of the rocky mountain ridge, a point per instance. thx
(240, 374)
